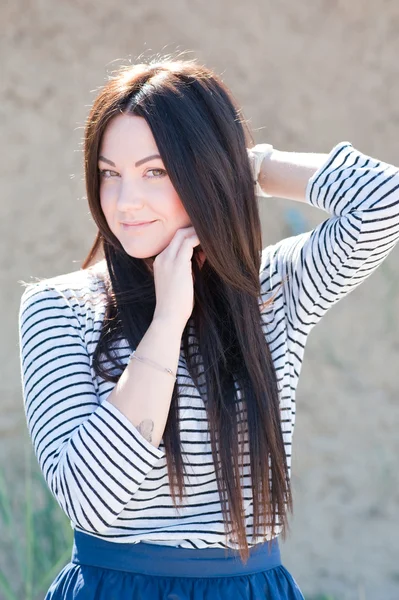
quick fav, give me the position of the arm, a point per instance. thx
(143, 394)
(286, 174)
(92, 455)
(361, 194)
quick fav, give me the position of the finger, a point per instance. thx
(187, 247)
(172, 249)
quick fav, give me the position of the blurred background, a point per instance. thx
(307, 74)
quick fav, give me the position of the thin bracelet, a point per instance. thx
(151, 363)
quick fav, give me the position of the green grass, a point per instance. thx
(36, 536)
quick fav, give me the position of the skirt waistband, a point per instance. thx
(155, 559)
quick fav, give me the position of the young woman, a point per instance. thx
(159, 379)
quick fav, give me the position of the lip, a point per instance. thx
(137, 225)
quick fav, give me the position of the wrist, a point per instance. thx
(259, 157)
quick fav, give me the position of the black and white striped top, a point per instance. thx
(110, 481)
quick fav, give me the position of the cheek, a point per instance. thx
(106, 192)
(107, 202)
(104, 208)
(175, 209)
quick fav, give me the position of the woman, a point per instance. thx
(159, 378)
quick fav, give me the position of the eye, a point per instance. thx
(162, 171)
(104, 173)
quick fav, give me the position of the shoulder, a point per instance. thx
(81, 292)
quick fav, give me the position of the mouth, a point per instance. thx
(137, 226)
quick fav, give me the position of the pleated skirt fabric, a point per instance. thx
(104, 570)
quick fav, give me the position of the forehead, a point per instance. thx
(128, 134)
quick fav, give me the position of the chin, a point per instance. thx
(148, 255)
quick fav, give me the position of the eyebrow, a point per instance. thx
(137, 164)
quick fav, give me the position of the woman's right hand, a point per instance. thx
(173, 277)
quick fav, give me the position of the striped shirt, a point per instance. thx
(108, 479)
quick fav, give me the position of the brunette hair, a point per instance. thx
(203, 142)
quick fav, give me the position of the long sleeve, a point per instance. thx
(323, 265)
(92, 457)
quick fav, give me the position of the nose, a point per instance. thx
(130, 196)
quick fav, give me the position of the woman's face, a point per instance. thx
(134, 186)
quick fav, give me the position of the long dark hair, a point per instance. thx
(202, 139)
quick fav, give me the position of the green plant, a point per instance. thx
(36, 535)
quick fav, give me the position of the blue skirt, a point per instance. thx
(103, 570)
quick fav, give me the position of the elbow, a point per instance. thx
(83, 512)
(83, 516)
